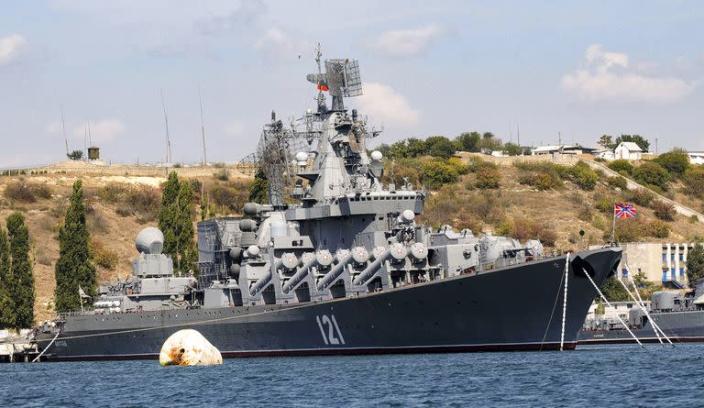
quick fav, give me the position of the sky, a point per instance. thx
(539, 69)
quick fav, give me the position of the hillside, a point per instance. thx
(118, 208)
(523, 197)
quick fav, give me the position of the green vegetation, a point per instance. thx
(75, 155)
(676, 162)
(694, 182)
(21, 270)
(141, 202)
(487, 175)
(615, 292)
(663, 210)
(583, 176)
(176, 222)
(22, 191)
(623, 167)
(617, 182)
(640, 197)
(259, 189)
(102, 256)
(652, 174)
(695, 264)
(7, 284)
(524, 228)
(74, 268)
(222, 174)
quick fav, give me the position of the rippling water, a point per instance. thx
(596, 376)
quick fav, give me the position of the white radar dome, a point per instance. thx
(150, 241)
(377, 156)
(301, 156)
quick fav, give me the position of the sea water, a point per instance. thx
(595, 376)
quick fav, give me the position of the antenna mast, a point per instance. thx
(166, 122)
(63, 129)
(202, 128)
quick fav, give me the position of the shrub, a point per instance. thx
(641, 197)
(140, 201)
(604, 204)
(694, 182)
(229, 197)
(488, 176)
(658, 229)
(543, 176)
(621, 166)
(113, 193)
(222, 174)
(652, 174)
(439, 146)
(664, 210)
(676, 162)
(42, 190)
(435, 173)
(20, 191)
(618, 182)
(583, 176)
(523, 228)
(103, 257)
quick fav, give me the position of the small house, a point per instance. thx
(628, 151)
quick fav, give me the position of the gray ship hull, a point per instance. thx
(680, 327)
(513, 308)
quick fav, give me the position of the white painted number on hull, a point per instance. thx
(330, 330)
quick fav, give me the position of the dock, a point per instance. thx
(17, 348)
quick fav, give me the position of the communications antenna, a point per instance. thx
(63, 129)
(166, 123)
(202, 128)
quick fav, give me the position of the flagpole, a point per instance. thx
(613, 227)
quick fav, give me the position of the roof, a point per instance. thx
(631, 146)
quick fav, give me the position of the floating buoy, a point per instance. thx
(188, 348)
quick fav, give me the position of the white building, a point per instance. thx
(696, 157)
(628, 151)
(657, 262)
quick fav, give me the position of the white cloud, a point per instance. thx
(279, 44)
(244, 16)
(406, 43)
(101, 131)
(609, 76)
(382, 103)
(10, 47)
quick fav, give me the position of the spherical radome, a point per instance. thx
(377, 156)
(150, 241)
(301, 156)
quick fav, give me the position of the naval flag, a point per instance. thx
(624, 210)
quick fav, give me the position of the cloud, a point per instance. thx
(276, 43)
(609, 76)
(382, 103)
(245, 15)
(406, 43)
(11, 47)
(101, 131)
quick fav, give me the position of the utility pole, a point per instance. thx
(518, 134)
(202, 128)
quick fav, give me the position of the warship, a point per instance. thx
(679, 314)
(335, 263)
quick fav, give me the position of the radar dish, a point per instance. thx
(343, 74)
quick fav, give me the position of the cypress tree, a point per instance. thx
(259, 189)
(168, 214)
(74, 267)
(21, 271)
(7, 284)
(186, 247)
